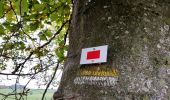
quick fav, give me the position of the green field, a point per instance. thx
(34, 94)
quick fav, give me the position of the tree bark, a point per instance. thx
(138, 36)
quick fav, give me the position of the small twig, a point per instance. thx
(50, 80)
(26, 34)
(27, 85)
(11, 94)
(17, 81)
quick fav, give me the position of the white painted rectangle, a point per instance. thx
(87, 56)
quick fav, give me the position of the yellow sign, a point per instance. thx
(99, 75)
(99, 71)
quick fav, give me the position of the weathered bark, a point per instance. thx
(138, 35)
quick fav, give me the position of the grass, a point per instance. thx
(34, 94)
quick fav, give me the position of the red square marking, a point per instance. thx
(93, 54)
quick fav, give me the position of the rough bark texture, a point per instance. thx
(138, 35)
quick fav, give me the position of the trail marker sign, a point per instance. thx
(94, 55)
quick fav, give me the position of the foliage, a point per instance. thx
(33, 36)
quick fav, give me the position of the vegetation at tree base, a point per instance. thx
(33, 36)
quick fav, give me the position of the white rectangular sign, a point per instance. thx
(94, 55)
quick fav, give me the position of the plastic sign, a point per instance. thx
(94, 55)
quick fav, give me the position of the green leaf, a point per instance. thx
(52, 2)
(2, 66)
(22, 46)
(2, 30)
(45, 0)
(60, 53)
(61, 43)
(39, 7)
(9, 46)
(48, 33)
(7, 25)
(38, 52)
(6, 38)
(34, 26)
(10, 16)
(1, 8)
(42, 36)
(23, 4)
(32, 16)
(14, 27)
(53, 16)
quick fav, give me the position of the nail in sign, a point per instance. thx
(94, 55)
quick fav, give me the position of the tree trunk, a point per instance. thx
(138, 37)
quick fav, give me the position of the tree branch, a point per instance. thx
(16, 74)
(45, 44)
(22, 64)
